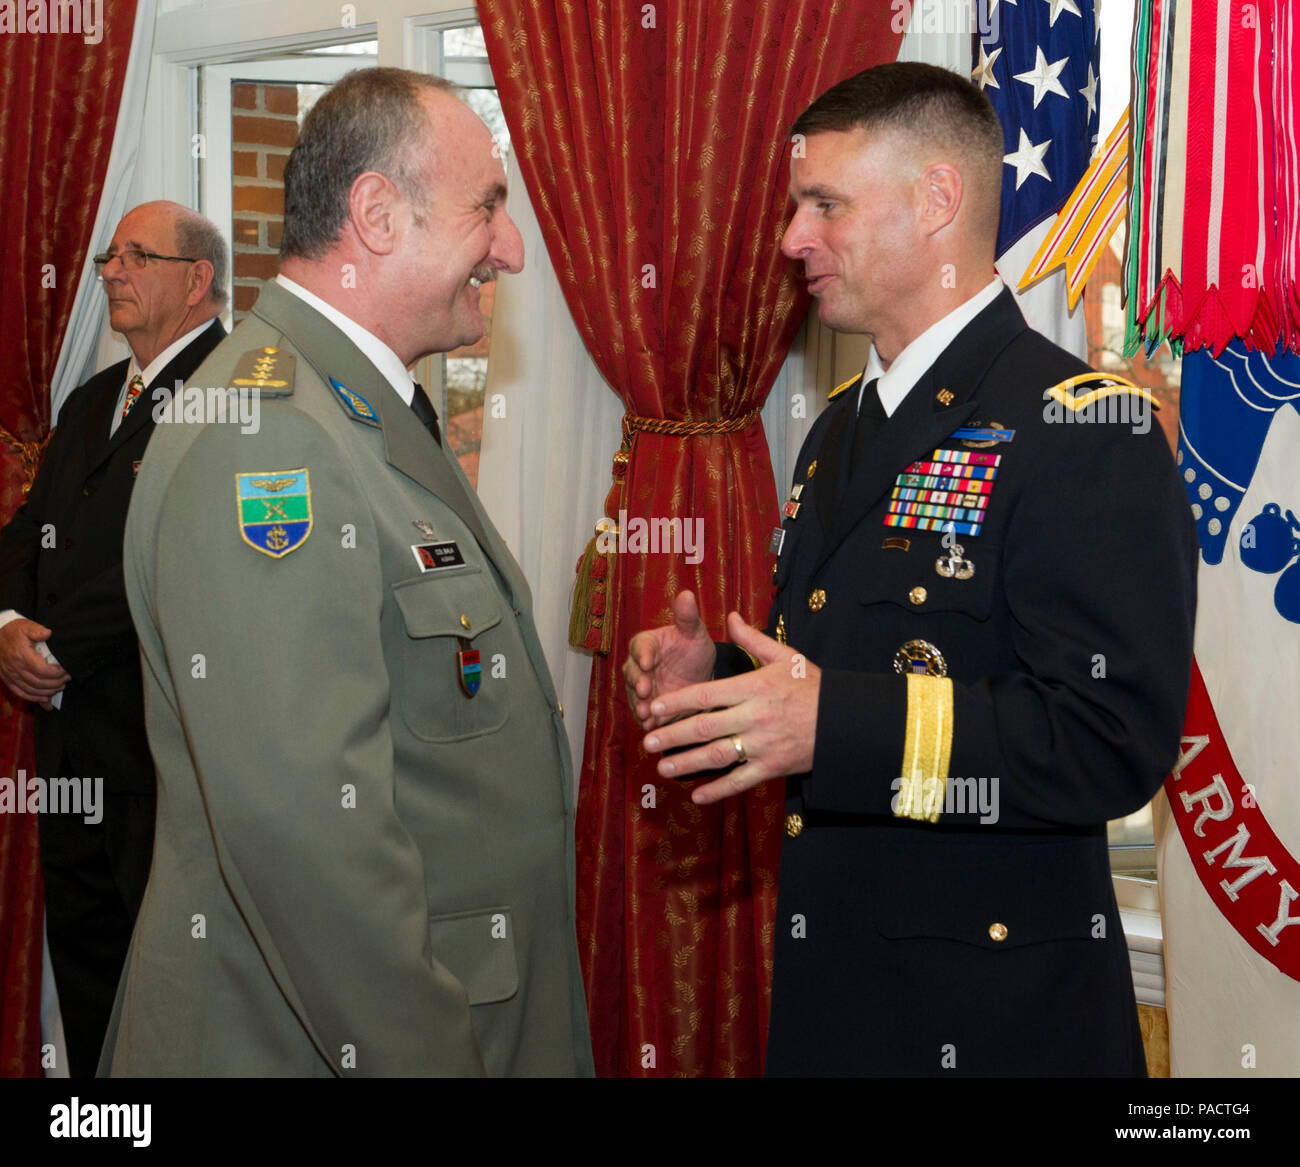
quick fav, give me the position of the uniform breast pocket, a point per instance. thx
(929, 577)
(446, 691)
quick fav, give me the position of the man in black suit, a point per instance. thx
(67, 643)
(980, 646)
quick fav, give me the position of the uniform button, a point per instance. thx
(817, 601)
(87, 491)
(560, 706)
(917, 595)
(794, 825)
(997, 931)
(51, 598)
(812, 467)
(464, 621)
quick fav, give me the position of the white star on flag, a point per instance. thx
(982, 74)
(1059, 6)
(1089, 91)
(1028, 159)
(1044, 77)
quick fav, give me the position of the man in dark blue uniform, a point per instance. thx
(980, 646)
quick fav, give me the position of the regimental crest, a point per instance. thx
(471, 670)
(274, 508)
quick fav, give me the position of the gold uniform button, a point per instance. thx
(464, 621)
(997, 931)
(794, 825)
(560, 706)
(812, 467)
(817, 601)
(917, 595)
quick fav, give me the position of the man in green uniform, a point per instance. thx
(364, 857)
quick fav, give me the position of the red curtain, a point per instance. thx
(59, 98)
(654, 141)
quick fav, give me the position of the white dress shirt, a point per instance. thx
(909, 366)
(156, 366)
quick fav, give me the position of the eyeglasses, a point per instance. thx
(133, 259)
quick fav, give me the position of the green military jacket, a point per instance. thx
(360, 868)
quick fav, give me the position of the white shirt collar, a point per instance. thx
(909, 366)
(376, 351)
(160, 362)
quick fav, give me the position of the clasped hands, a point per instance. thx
(24, 668)
(765, 719)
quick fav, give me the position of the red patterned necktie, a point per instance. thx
(133, 390)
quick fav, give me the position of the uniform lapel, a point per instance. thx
(408, 446)
(95, 432)
(922, 420)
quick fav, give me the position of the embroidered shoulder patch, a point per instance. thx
(274, 508)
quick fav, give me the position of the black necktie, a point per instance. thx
(424, 410)
(871, 416)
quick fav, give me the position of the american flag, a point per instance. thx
(1037, 61)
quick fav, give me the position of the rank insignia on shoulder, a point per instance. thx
(274, 510)
(834, 393)
(267, 369)
(355, 405)
(1081, 392)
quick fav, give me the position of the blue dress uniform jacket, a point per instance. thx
(945, 900)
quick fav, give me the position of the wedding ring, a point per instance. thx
(741, 756)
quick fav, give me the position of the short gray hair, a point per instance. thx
(198, 238)
(372, 119)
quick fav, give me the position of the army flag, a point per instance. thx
(1228, 832)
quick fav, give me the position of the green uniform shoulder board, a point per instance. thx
(267, 369)
(834, 393)
(1077, 393)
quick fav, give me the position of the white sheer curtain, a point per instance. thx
(81, 341)
(551, 426)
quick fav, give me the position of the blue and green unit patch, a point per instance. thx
(274, 510)
(471, 670)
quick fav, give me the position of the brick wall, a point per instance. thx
(264, 127)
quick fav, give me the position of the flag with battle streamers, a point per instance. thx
(1215, 176)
